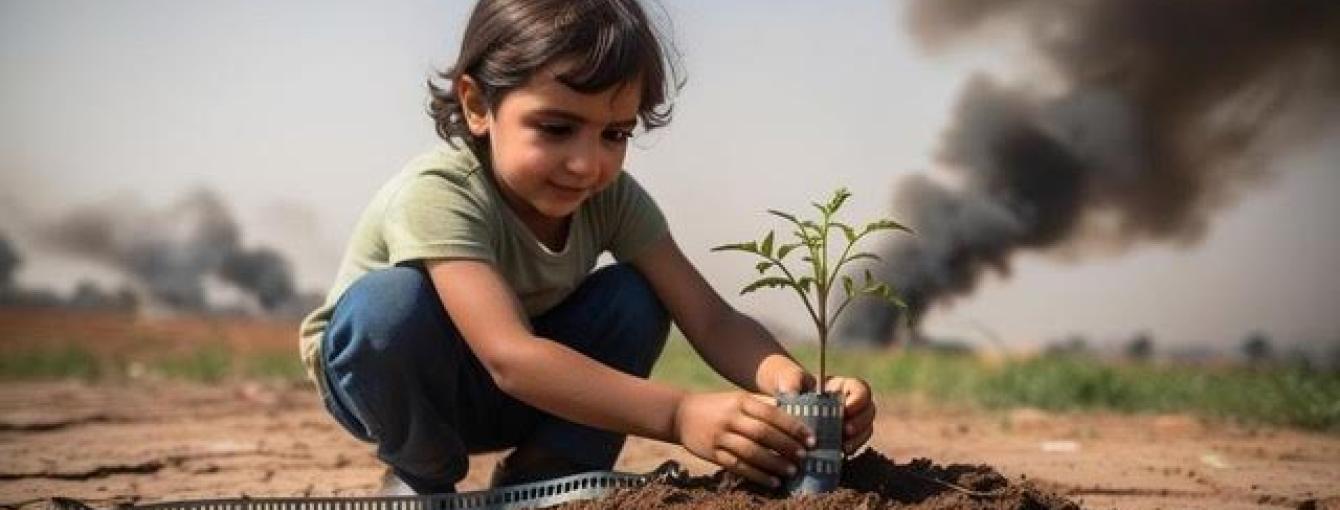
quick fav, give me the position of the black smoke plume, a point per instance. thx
(87, 295)
(9, 262)
(172, 253)
(1152, 117)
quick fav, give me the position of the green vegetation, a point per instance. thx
(209, 363)
(1280, 394)
(68, 362)
(823, 270)
(283, 365)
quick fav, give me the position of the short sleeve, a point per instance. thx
(635, 221)
(436, 216)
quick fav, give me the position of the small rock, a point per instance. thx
(1029, 420)
(1177, 425)
(1060, 446)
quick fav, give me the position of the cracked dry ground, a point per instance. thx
(145, 442)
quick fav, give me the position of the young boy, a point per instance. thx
(465, 316)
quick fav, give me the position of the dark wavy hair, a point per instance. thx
(611, 42)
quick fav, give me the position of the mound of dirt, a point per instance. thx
(869, 481)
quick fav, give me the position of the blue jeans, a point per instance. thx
(399, 374)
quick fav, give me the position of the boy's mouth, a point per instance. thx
(569, 189)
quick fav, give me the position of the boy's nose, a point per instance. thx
(585, 158)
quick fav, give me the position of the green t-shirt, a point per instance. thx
(445, 204)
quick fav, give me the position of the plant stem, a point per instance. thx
(822, 285)
(823, 355)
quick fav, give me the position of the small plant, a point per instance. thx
(816, 287)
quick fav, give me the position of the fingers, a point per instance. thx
(768, 436)
(794, 382)
(747, 458)
(776, 418)
(862, 420)
(858, 429)
(856, 393)
(856, 402)
(757, 457)
(858, 411)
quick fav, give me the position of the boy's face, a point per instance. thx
(553, 147)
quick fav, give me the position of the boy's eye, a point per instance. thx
(618, 135)
(555, 130)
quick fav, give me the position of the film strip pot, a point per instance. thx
(579, 487)
(822, 468)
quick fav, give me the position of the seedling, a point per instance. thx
(816, 287)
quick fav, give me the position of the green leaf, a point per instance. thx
(893, 298)
(805, 283)
(823, 209)
(839, 196)
(898, 302)
(766, 248)
(771, 281)
(750, 247)
(783, 215)
(863, 255)
(887, 224)
(785, 249)
(763, 266)
(883, 291)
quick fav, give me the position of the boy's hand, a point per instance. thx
(743, 433)
(858, 411)
(793, 380)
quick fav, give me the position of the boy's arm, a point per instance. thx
(735, 430)
(541, 372)
(734, 344)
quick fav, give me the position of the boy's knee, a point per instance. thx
(636, 299)
(386, 311)
(646, 323)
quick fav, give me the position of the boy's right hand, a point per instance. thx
(743, 433)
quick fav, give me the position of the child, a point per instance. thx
(465, 317)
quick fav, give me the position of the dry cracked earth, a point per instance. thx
(148, 441)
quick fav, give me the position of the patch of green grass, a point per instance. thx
(67, 362)
(1280, 395)
(681, 366)
(208, 363)
(283, 365)
(1277, 395)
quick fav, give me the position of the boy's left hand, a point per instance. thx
(858, 411)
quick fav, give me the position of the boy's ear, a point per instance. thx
(473, 105)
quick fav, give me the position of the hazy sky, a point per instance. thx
(296, 111)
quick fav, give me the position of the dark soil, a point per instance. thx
(869, 481)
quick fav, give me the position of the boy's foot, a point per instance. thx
(532, 464)
(394, 485)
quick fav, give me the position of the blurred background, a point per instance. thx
(1120, 178)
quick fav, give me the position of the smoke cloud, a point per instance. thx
(172, 253)
(9, 262)
(1165, 113)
